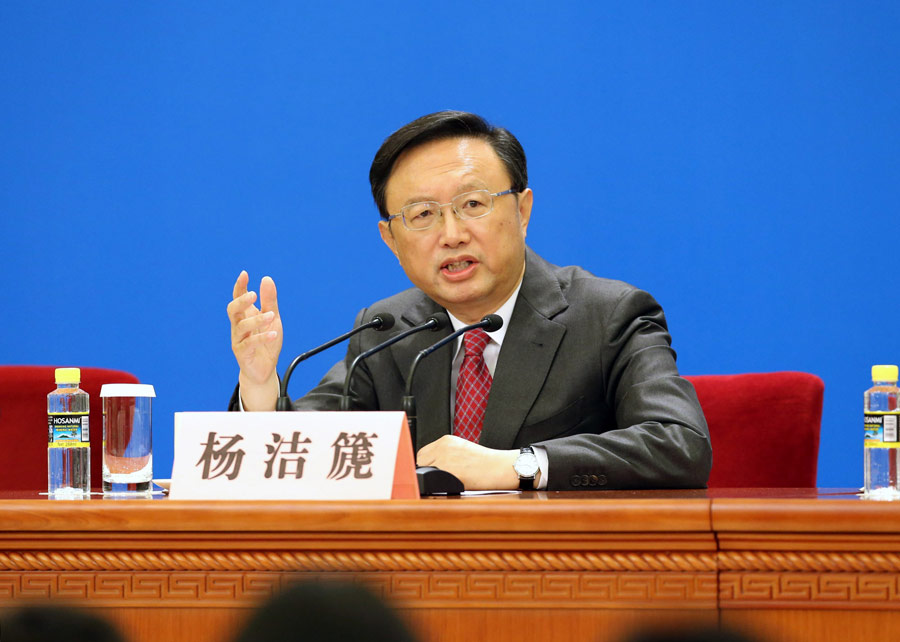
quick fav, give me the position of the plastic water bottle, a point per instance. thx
(69, 438)
(882, 442)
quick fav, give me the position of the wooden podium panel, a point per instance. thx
(795, 570)
(791, 564)
(458, 568)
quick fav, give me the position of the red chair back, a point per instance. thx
(764, 428)
(23, 422)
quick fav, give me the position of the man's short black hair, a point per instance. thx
(60, 623)
(321, 611)
(441, 125)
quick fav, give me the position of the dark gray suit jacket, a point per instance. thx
(585, 370)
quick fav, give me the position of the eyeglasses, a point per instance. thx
(419, 217)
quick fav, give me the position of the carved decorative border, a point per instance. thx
(364, 561)
(809, 561)
(354, 561)
(809, 590)
(408, 589)
(465, 579)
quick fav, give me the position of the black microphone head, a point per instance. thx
(492, 322)
(387, 321)
(441, 319)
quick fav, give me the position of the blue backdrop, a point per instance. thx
(737, 160)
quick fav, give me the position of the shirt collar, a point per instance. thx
(505, 313)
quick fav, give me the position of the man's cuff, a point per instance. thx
(541, 453)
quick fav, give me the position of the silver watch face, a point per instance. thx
(526, 465)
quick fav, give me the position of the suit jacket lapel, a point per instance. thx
(529, 347)
(432, 382)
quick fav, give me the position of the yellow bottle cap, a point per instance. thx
(884, 373)
(68, 375)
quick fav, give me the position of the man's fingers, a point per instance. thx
(427, 454)
(254, 323)
(240, 286)
(238, 307)
(249, 343)
(268, 295)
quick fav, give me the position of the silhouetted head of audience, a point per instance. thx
(321, 611)
(55, 623)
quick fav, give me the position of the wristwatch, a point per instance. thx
(526, 468)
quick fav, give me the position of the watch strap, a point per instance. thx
(527, 483)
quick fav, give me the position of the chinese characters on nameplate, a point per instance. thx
(292, 455)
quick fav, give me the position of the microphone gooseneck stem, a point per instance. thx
(490, 323)
(311, 353)
(409, 407)
(380, 322)
(433, 323)
(424, 353)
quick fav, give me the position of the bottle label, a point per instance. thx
(68, 430)
(881, 429)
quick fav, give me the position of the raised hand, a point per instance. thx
(256, 338)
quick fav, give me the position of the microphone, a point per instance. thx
(382, 321)
(433, 481)
(437, 321)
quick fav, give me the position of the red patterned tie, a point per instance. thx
(473, 386)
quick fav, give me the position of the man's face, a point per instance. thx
(471, 266)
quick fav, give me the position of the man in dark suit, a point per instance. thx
(580, 384)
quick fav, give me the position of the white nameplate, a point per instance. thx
(292, 455)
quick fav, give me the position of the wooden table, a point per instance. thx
(792, 564)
